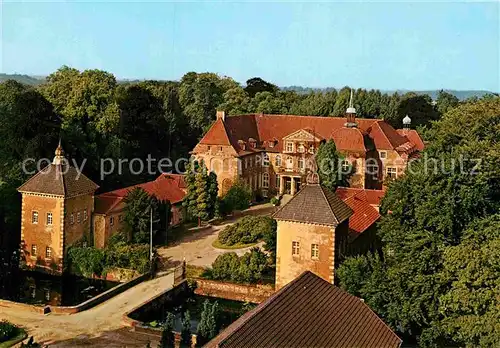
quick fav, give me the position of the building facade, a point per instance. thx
(272, 154)
(56, 211)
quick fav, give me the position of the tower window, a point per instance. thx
(85, 216)
(383, 154)
(48, 252)
(49, 218)
(33, 250)
(111, 220)
(314, 251)
(72, 218)
(34, 217)
(78, 217)
(295, 248)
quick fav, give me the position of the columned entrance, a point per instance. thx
(289, 185)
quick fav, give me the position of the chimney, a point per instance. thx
(221, 114)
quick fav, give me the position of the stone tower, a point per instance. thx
(57, 206)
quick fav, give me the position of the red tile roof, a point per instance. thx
(364, 216)
(373, 197)
(265, 127)
(169, 187)
(308, 312)
(361, 202)
(412, 136)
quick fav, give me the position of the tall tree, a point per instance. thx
(446, 101)
(256, 85)
(328, 162)
(427, 217)
(137, 215)
(201, 199)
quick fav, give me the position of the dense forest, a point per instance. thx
(97, 117)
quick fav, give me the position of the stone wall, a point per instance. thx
(76, 230)
(231, 291)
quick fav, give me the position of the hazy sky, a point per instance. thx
(386, 45)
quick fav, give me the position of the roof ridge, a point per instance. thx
(311, 116)
(328, 203)
(62, 179)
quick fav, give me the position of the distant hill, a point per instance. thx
(37, 80)
(27, 80)
(432, 93)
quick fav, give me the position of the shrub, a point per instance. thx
(247, 230)
(238, 197)
(7, 330)
(87, 261)
(247, 268)
(186, 329)
(274, 201)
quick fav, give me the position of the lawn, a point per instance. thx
(21, 335)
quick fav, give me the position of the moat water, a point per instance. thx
(43, 289)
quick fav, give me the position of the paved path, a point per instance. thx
(196, 247)
(104, 319)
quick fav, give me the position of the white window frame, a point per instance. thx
(72, 218)
(50, 219)
(85, 215)
(265, 180)
(301, 148)
(265, 160)
(34, 250)
(345, 166)
(48, 252)
(390, 171)
(289, 146)
(315, 251)
(311, 149)
(34, 217)
(383, 154)
(277, 161)
(111, 220)
(295, 248)
(78, 217)
(278, 181)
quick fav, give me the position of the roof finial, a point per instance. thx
(351, 113)
(59, 154)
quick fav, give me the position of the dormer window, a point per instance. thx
(253, 142)
(242, 144)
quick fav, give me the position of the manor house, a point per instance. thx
(272, 154)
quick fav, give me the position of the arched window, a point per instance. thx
(265, 160)
(277, 161)
(265, 180)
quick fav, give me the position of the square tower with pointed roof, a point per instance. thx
(56, 212)
(312, 234)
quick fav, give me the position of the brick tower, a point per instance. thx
(57, 206)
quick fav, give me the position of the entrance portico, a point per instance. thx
(289, 184)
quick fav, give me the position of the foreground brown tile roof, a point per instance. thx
(60, 180)
(308, 312)
(315, 204)
(266, 128)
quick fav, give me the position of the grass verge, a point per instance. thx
(21, 335)
(218, 245)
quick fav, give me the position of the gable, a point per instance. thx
(302, 135)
